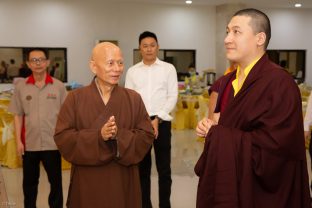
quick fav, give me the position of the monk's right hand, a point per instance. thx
(109, 129)
(20, 149)
(204, 126)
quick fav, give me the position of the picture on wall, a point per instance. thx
(13, 63)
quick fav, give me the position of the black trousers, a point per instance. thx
(51, 161)
(162, 149)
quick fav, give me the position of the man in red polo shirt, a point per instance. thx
(35, 104)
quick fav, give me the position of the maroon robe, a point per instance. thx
(255, 156)
(99, 177)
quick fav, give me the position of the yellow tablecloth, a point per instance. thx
(8, 155)
(189, 110)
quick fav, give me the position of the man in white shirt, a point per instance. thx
(156, 82)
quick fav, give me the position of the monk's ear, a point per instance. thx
(261, 37)
(92, 66)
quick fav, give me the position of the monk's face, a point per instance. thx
(242, 44)
(149, 50)
(108, 64)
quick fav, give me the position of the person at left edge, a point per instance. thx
(104, 131)
(35, 104)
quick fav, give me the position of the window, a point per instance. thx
(293, 61)
(13, 63)
(181, 59)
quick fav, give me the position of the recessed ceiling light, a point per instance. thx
(298, 5)
(188, 1)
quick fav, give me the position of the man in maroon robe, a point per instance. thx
(254, 156)
(104, 131)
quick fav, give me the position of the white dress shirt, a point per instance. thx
(158, 86)
(308, 115)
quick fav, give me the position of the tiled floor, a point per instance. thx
(185, 152)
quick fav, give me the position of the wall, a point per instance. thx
(292, 29)
(78, 25)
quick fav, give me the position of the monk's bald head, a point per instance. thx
(101, 50)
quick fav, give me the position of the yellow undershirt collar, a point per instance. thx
(235, 83)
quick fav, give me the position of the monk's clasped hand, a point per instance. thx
(109, 129)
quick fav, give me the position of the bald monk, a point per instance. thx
(254, 156)
(104, 131)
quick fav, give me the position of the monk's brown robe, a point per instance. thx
(104, 174)
(255, 156)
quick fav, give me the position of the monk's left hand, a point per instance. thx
(109, 129)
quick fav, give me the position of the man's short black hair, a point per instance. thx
(44, 50)
(260, 22)
(147, 34)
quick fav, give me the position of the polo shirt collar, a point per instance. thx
(31, 79)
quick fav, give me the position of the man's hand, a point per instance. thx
(109, 130)
(20, 148)
(216, 117)
(204, 126)
(307, 138)
(155, 124)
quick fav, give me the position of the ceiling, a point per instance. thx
(249, 3)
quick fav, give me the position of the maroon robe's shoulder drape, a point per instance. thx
(255, 156)
(100, 176)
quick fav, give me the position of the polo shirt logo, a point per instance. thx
(28, 97)
(51, 96)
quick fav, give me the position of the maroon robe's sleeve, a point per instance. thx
(133, 144)
(218, 168)
(215, 86)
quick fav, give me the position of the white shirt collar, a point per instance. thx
(157, 61)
